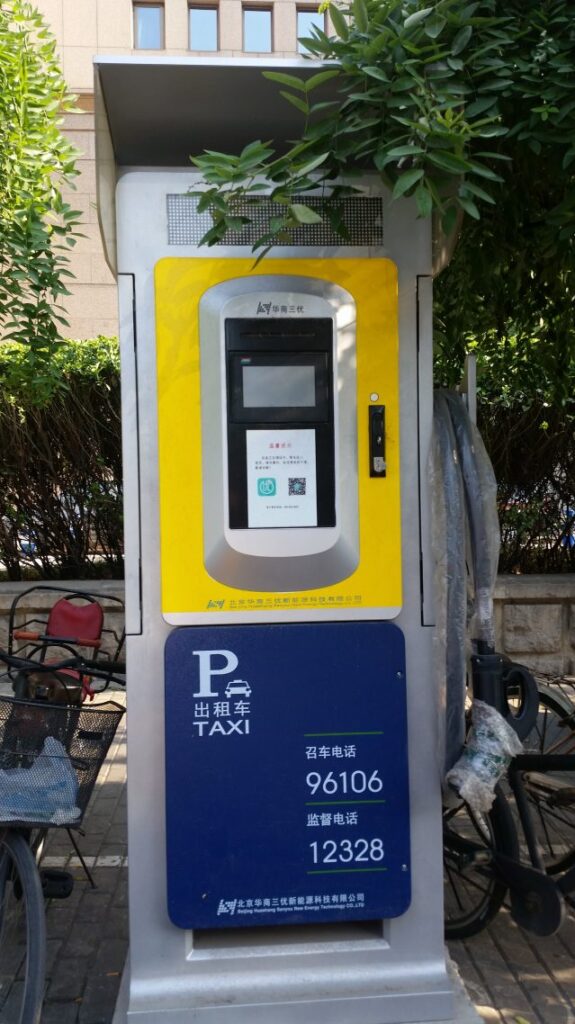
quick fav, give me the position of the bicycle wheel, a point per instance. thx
(22, 933)
(552, 794)
(473, 892)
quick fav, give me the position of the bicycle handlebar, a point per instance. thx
(99, 669)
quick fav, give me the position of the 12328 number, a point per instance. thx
(347, 851)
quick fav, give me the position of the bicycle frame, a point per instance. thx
(543, 763)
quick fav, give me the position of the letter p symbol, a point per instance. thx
(208, 663)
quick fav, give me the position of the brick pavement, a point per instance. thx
(88, 932)
(509, 975)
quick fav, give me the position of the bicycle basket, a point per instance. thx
(50, 756)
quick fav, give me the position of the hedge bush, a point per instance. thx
(61, 467)
(61, 499)
(526, 416)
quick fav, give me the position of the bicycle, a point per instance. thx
(485, 854)
(51, 751)
(552, 795)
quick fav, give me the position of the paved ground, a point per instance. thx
(511, 977)
(88, 932)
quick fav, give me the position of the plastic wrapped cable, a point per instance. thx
(448, 540)
(464, 494)
(465, 522)
(491, 744)
(481, 504)
(483, 626)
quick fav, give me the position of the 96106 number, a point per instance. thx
(344, 782)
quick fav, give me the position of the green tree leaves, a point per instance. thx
(417, 17)
(37, 227)
(431, 96)
(62, 463)
(406, 181)
(235, 183)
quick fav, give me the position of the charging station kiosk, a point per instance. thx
(284, 805)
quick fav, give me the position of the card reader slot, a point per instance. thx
(377, 463)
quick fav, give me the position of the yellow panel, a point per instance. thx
(186, 587)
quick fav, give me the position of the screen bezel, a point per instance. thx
(284, 341)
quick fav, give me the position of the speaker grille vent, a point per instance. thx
(362, 216)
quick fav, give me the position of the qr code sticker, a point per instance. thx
(296, 485)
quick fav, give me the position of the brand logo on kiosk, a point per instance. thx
(267, 308)
(216, 714)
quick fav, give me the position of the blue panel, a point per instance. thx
(286, 764)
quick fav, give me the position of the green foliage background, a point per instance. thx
(441, 100)
(37, 227)
(504, 300)
(61, 467)
(61, 472)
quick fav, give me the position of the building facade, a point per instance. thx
(83, 28)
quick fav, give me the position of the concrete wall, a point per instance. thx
(535, 622)
(535, 617)
(92, 306)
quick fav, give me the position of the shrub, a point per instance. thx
(526, 415)
(61, 471)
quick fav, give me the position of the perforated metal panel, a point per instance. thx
(362, 217)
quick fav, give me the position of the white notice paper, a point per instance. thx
(281, 478)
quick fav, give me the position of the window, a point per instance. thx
(306, 19)
(148, 26)
(203, 28)
(257, 30)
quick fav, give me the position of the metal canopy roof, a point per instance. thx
(162, 110)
